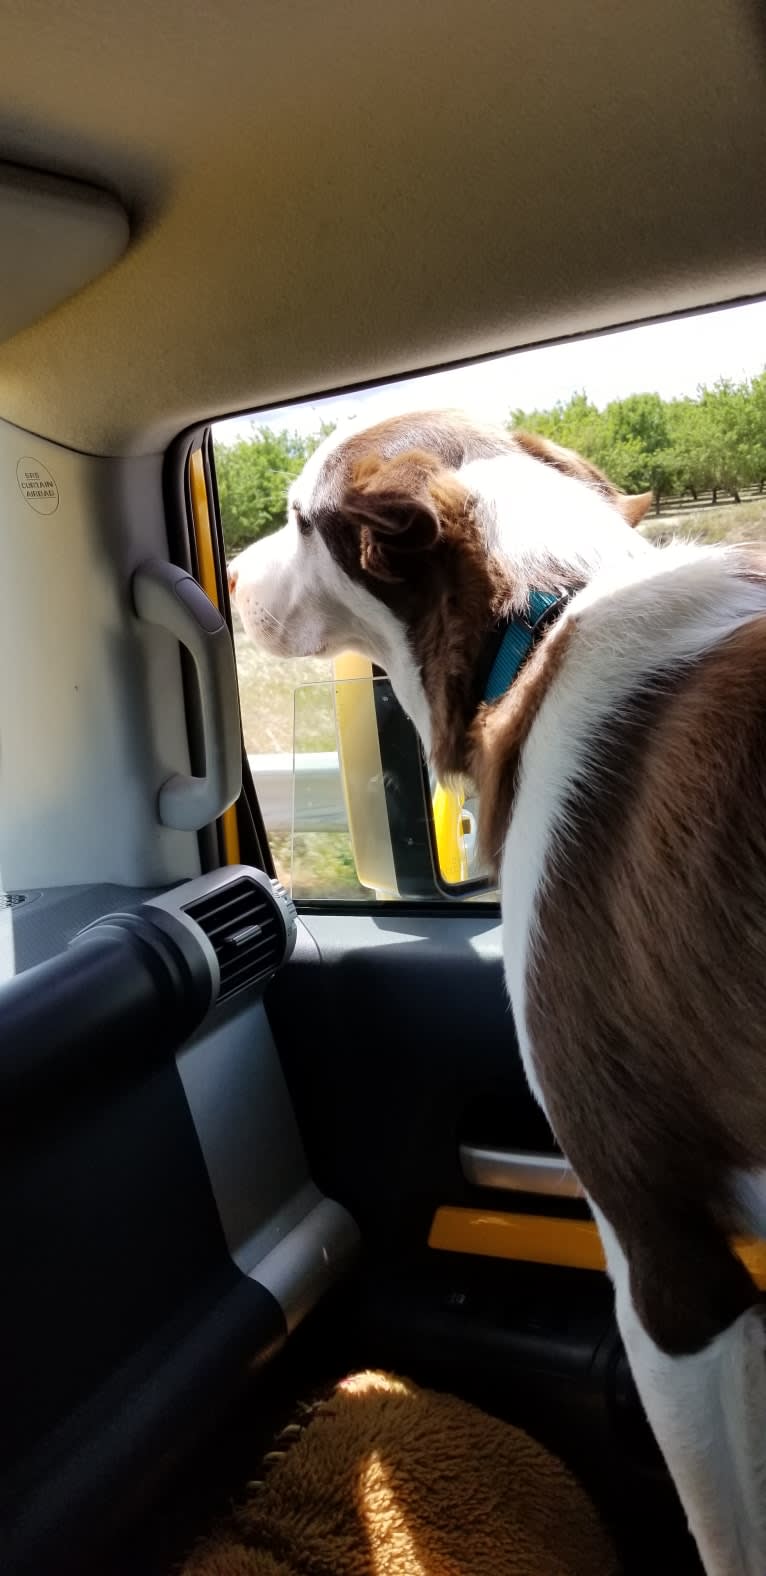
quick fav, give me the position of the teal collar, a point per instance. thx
(517, 635)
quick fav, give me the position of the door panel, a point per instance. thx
(411, 1052)
(92, 706)
(399, 1048)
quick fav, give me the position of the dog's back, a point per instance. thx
(635, 868)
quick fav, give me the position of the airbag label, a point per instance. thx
(37, 486)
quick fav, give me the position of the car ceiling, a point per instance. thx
(328, 194)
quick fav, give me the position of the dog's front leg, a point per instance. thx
(708, 1413)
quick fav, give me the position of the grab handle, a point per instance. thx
(166, 595)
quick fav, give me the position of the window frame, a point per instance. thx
(217, 846)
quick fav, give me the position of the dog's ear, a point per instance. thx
(397, 505)
(633, 507)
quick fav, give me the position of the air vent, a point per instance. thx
(251, 926)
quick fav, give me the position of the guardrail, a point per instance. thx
(315, 781)
(313, 784)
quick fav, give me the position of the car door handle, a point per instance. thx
(519, 1171)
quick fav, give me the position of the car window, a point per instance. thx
(677, 409)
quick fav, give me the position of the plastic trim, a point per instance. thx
(517, 1171)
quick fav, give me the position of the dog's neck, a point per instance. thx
(528, 532)
(471, 665)
(501, 727)
(513, 640)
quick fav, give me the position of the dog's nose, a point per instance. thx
(233, 576)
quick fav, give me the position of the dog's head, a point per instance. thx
(409, 539)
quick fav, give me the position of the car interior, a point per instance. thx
(253, 1144)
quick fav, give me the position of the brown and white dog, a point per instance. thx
(622, 783)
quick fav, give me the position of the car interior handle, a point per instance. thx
(166, 595)
(519, 1171)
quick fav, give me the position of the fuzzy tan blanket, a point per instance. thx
(385, 1479)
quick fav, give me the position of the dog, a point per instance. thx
(608, 699)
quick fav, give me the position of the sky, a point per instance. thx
(670, 359)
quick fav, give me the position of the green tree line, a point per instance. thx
(712, 444)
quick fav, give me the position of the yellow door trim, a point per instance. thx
(362, 774)
(545, 1239)
(203, 535)
(447, 812)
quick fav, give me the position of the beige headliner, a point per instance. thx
(335, 191)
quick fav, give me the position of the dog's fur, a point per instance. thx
(622, 784)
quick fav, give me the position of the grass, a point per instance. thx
(318, 866)
(730, 522)
(266, 689)
(285, 703)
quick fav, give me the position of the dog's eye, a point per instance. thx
(304, 525)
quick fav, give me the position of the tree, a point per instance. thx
(628, 440)
(726, 433)
(637, 444)
(577, 425)
(253, 477)
(687, 447)
(716, 441)
(758, 405)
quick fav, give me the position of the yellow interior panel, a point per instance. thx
(453, 861)
(203, 533)
(362, 774)
(545, 1239)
